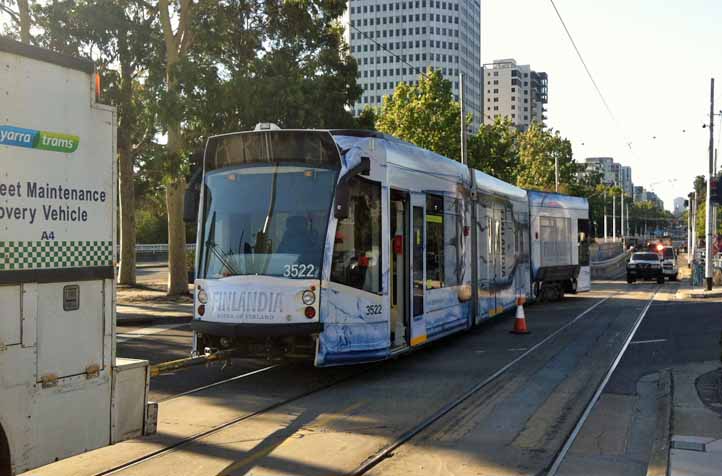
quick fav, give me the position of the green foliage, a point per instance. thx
(538, 149)
(425, 115)
(495, 150)
(367, 119)
(246, 61)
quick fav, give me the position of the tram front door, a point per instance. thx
(400, 265)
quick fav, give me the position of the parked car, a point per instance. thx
(645, 265)
(669, 263)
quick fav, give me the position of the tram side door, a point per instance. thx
(487, 258)
(400, 267)
(418, 268)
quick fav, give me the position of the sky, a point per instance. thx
(652, 61)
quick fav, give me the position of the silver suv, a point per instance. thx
(645, 265)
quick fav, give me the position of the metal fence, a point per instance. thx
(158, 249)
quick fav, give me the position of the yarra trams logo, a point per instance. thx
(43, 140)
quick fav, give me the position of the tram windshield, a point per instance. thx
(266, 220)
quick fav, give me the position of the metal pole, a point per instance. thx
(708, 208)
(614, 217)
(556, 173)
(463, 125)
(605, 217)
(621, 217)
(689, 230)
(626, 215)
(694, 226)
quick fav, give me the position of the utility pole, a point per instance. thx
(463, 125)
(708, 208)
(614, 217)
(556, 173)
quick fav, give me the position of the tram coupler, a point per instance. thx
(206, 358)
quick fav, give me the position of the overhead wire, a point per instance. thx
(383, 47)
(626, 141)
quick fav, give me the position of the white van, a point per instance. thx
(669, 263)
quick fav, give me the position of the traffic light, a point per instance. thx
(715, 192)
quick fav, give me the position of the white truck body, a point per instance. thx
(62, 390)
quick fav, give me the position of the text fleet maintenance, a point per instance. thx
(33, 190)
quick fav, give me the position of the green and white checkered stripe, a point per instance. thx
(21, 255)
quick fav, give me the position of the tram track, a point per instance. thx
(561, 455)
(388, 451)
(220, 427)
(407, 436)
(378, 456)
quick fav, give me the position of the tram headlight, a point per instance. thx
(308, 297)
(202, 296)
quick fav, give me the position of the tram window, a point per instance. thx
(443, 238)
(357, 249)
(583, 232)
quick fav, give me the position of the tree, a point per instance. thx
(538, 149)
(425, 115)
(20, 16)
(120, 35)
(367, 119)
(494, 150)
(177, 44)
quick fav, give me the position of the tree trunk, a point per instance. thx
(24, 14)
(177, 272)
(175, 189)
(126, 273)
(126, 119)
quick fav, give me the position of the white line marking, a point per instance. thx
(146, 331)
(651, 341)
(517, 349)
(595, 398)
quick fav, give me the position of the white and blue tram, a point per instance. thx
(354, 246)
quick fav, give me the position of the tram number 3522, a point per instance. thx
(374, 309)
(299, 271)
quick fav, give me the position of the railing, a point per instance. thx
(160, 248)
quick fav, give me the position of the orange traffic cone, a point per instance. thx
(520, 321)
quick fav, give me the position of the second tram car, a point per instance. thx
(354, 246)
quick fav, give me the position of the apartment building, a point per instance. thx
(514, 91)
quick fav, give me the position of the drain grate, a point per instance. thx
(709, 389)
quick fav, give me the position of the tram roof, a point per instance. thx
(485, 182)
(556, 200)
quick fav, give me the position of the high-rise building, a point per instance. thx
(394, 41)
(514, 91)
(625, 179)
(679, 206)
(604, 167)
(612, 173)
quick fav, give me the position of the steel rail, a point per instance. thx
(428, 421)
(221, 382)
(185, 441)
(554, 468)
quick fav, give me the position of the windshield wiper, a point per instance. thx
(222, 257)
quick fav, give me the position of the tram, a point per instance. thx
(354, 246)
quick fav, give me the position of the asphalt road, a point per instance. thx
(151, 275)
(516, 426)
